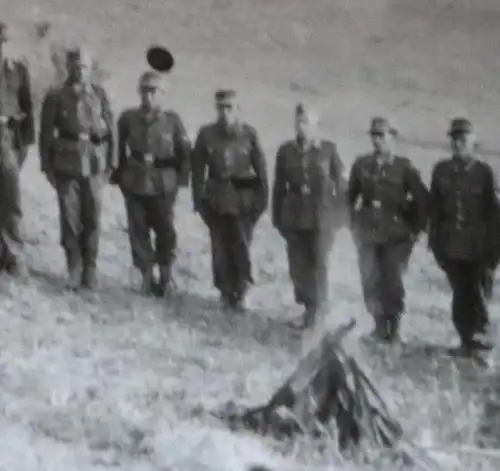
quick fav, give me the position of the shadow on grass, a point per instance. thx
(206, 314)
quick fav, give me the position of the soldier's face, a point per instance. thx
(306, 126)
(227, 113)
(463, 145)
(383, 141)
(81, 69)
(149, 96)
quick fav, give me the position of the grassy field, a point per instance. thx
(124, 383)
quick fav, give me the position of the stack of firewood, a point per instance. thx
(327, 394)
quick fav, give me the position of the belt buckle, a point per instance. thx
(149, 158)
(377, 204)
(305, 189)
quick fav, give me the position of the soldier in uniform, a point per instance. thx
(388, 203)
(16, 135)
(464, 232)
(308, 208)
(230, 192)
(154, 156)
(77, 152)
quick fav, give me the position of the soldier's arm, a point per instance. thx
(279, 189)
(353, 186)
(108, 133)
(182, 149)
(260, 166)
(47, 129)
(123, 133)
(27, 122)
(420, 196)
(492, 195)
(198, 168)
(337, 173)
(434, 208)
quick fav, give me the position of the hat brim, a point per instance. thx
(160, 59)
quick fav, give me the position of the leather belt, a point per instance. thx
(149, 159)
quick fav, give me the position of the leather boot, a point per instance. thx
(89, 276)
(74, 266)
(147, 285)
(166, 288)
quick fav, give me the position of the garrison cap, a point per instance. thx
(4, 33)
(77, 54)
(380, 124)
(160, 58)
(150, 80)
(459, 126)
(225, 96)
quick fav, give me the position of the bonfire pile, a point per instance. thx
(328, 388)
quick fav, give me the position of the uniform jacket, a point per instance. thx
(68, 115)
(309, 187)
(16, 102)
(387, 202)
(464, 211)
(229, 172)
(154, 152)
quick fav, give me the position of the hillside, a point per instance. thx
(118, 382)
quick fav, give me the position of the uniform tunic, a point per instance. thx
(77, 145)
(230, 191)
(307, 209)
(154, 156)
(16, 134)
(388, 203)
(464, 237)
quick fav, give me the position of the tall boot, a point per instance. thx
(392, 327)
(89, 276)
(147, 285)
(166, 288)
(74, 266)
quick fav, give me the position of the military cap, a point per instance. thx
(151, 80)
(459, 126)
(159, 58)
(77, 53)
(379, 124)
(4, 33)
(224, 96)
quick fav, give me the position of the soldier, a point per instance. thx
(16, 135)
(230, 192)
(388, 202)
(154, 152)
(307, 208)
(77, 155)
(464, 232)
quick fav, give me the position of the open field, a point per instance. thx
(124, 383)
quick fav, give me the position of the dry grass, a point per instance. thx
(119, 382)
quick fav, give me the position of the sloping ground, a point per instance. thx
(119, 381)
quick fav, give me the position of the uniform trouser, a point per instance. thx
(468, 280)
(80, 203)
(231, 238)
(11, 239)
(146, 213)
(382, 267)
(308, 266)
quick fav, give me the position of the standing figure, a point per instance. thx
(154, 152)
(464, 233)
(230, 192)
(16, 135)
(308, 209)
(388, 203)
(77, 152)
